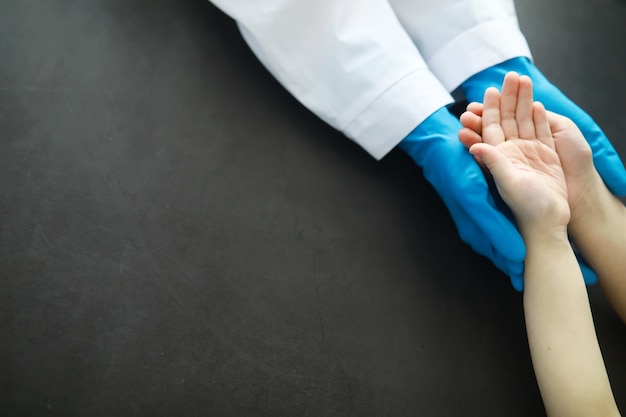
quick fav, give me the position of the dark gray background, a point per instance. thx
(179, 237)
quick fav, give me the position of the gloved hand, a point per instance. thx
(453, 172)
(605, 158)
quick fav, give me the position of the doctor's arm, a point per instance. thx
(352, 64)
(518, 149)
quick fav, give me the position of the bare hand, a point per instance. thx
(513, 139)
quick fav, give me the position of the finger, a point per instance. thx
(476, 108)
(492, 132)
(508, 105)
(524, 109)
(468, 137)
(542, 125)
(496, 162)
(472, 121)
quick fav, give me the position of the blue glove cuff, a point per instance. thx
(475, 86)
(441, 123)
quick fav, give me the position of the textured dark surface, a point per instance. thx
(179, 237)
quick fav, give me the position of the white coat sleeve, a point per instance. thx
(348, 61)
(459, 38)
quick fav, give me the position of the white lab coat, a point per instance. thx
(375, 69)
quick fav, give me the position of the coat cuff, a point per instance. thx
(397, 111)
(484, 46)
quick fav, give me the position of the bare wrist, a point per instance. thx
(593, 208)
(534, 234)
(590, 201)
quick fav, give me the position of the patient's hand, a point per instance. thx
(515, 143)
(583, 181)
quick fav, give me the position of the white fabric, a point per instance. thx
(375, 69)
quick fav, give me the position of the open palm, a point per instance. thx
(518, 149)
(573, 150)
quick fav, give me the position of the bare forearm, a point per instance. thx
(566, 357)
(601, 238)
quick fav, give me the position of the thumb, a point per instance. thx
(495, 161)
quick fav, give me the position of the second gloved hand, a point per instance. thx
(458, 179)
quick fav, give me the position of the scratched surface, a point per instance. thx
(178, 236)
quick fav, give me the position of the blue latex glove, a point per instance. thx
(605, 158)
(448, 166)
